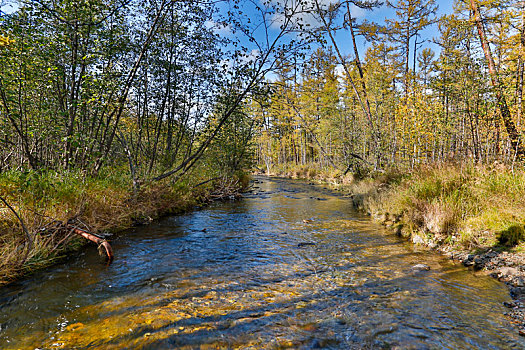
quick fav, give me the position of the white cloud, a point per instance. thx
(271, 77)
(305, 12)
(8, 8)
(222, 29)
(229, 64)
(357, 12)
(339, 71)
(250, 57)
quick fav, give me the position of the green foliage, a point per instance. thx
(87, 83)
(232, 149)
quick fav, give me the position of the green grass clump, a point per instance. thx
(511, 236)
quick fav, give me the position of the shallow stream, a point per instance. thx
(291, 265)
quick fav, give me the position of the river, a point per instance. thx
(291, 265)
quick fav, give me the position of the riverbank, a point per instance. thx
(50, 204)
(473, 214)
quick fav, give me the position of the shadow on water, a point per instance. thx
(291, 265)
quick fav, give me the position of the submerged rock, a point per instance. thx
(420, 267)
(305, 244)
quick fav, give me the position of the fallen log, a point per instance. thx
(100, 241)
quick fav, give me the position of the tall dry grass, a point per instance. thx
(466, 205)
(312, 171)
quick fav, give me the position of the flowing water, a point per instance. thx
(289, 266)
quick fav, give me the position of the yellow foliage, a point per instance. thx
(5, 41)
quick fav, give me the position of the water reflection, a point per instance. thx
(289, 267)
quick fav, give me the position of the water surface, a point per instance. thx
(289, 266)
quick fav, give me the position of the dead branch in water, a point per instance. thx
(98, 240)
(58, 228)
(227, 188)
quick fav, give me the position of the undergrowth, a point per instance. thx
(464, 205)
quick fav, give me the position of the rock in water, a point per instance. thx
(420, 267)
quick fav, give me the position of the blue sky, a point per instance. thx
(378, 15)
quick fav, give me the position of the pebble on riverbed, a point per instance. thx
(507, 267)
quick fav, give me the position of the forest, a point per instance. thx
(115, 112)
(400, 103)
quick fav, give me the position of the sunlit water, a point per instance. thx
(252, 274)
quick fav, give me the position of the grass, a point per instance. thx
(464, 205)
(46, 200)
(311, 171)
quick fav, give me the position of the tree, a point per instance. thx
(425, 61)
(413, 17)
(514, 135)
(326, 17)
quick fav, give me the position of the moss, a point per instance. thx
(511, 236)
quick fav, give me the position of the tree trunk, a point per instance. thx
(506, 116)
(407, 55)
(357, 60)
(519, 73)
